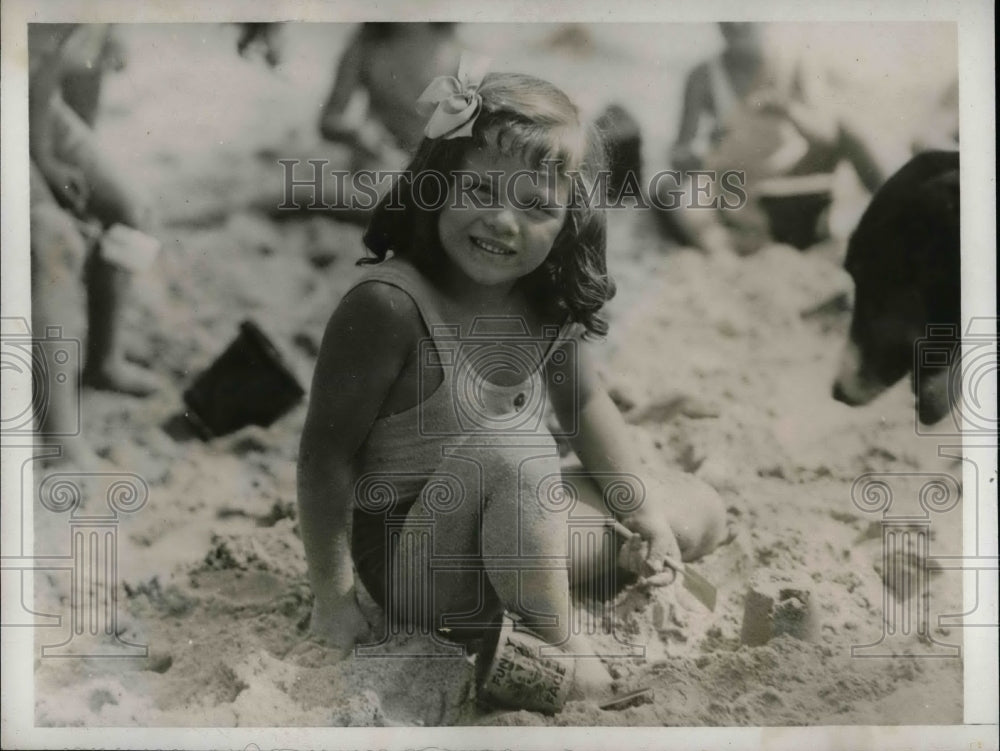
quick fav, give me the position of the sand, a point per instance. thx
(717, 368)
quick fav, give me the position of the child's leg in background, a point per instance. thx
(717, 232)
(108, 288)
(701, 228)
(112, 200)
(58, 255)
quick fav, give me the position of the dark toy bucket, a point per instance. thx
(248, 384)
(623, 143)
(794, 218)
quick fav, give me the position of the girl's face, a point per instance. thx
(499, 227)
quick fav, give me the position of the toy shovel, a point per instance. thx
(703, 590)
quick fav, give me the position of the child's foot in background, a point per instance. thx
(69, 453)
(123, 377)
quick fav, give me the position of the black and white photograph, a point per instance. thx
(411, 377)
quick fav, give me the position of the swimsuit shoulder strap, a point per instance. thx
(569, 330)
(403, 275)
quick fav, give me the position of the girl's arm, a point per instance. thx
(367, 342)
(809, 109)
(606, 449)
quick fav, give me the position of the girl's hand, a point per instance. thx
(818, 127)
(659, 542)
(695, 510)
(649, 542)
(773, 102)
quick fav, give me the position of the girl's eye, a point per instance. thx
(546, 210)
(484, 193)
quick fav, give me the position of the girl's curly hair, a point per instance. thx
(530, 118)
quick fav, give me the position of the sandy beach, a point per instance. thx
(722, 370)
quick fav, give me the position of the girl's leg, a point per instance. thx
(527, 516)
(511, 540)
(472, 506)
(514, 506)
(696, 513)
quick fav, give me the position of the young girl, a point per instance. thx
(433, 378)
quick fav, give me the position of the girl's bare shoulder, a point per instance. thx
(377, 308)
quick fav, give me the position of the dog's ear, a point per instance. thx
(936, 238)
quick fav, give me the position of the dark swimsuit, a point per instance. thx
(403, 451)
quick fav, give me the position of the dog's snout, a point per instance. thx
(839, 394)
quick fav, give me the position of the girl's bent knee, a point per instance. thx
(707, 528)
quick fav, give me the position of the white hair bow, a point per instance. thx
(453, 104)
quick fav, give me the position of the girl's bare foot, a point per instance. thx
(591, 680)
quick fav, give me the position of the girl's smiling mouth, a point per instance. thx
(492, 247)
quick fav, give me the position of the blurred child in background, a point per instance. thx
(371, 105)
(758, 111)
(72, 184)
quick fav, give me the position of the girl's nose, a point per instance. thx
(502, 222)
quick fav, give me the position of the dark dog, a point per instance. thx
(904, 259)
